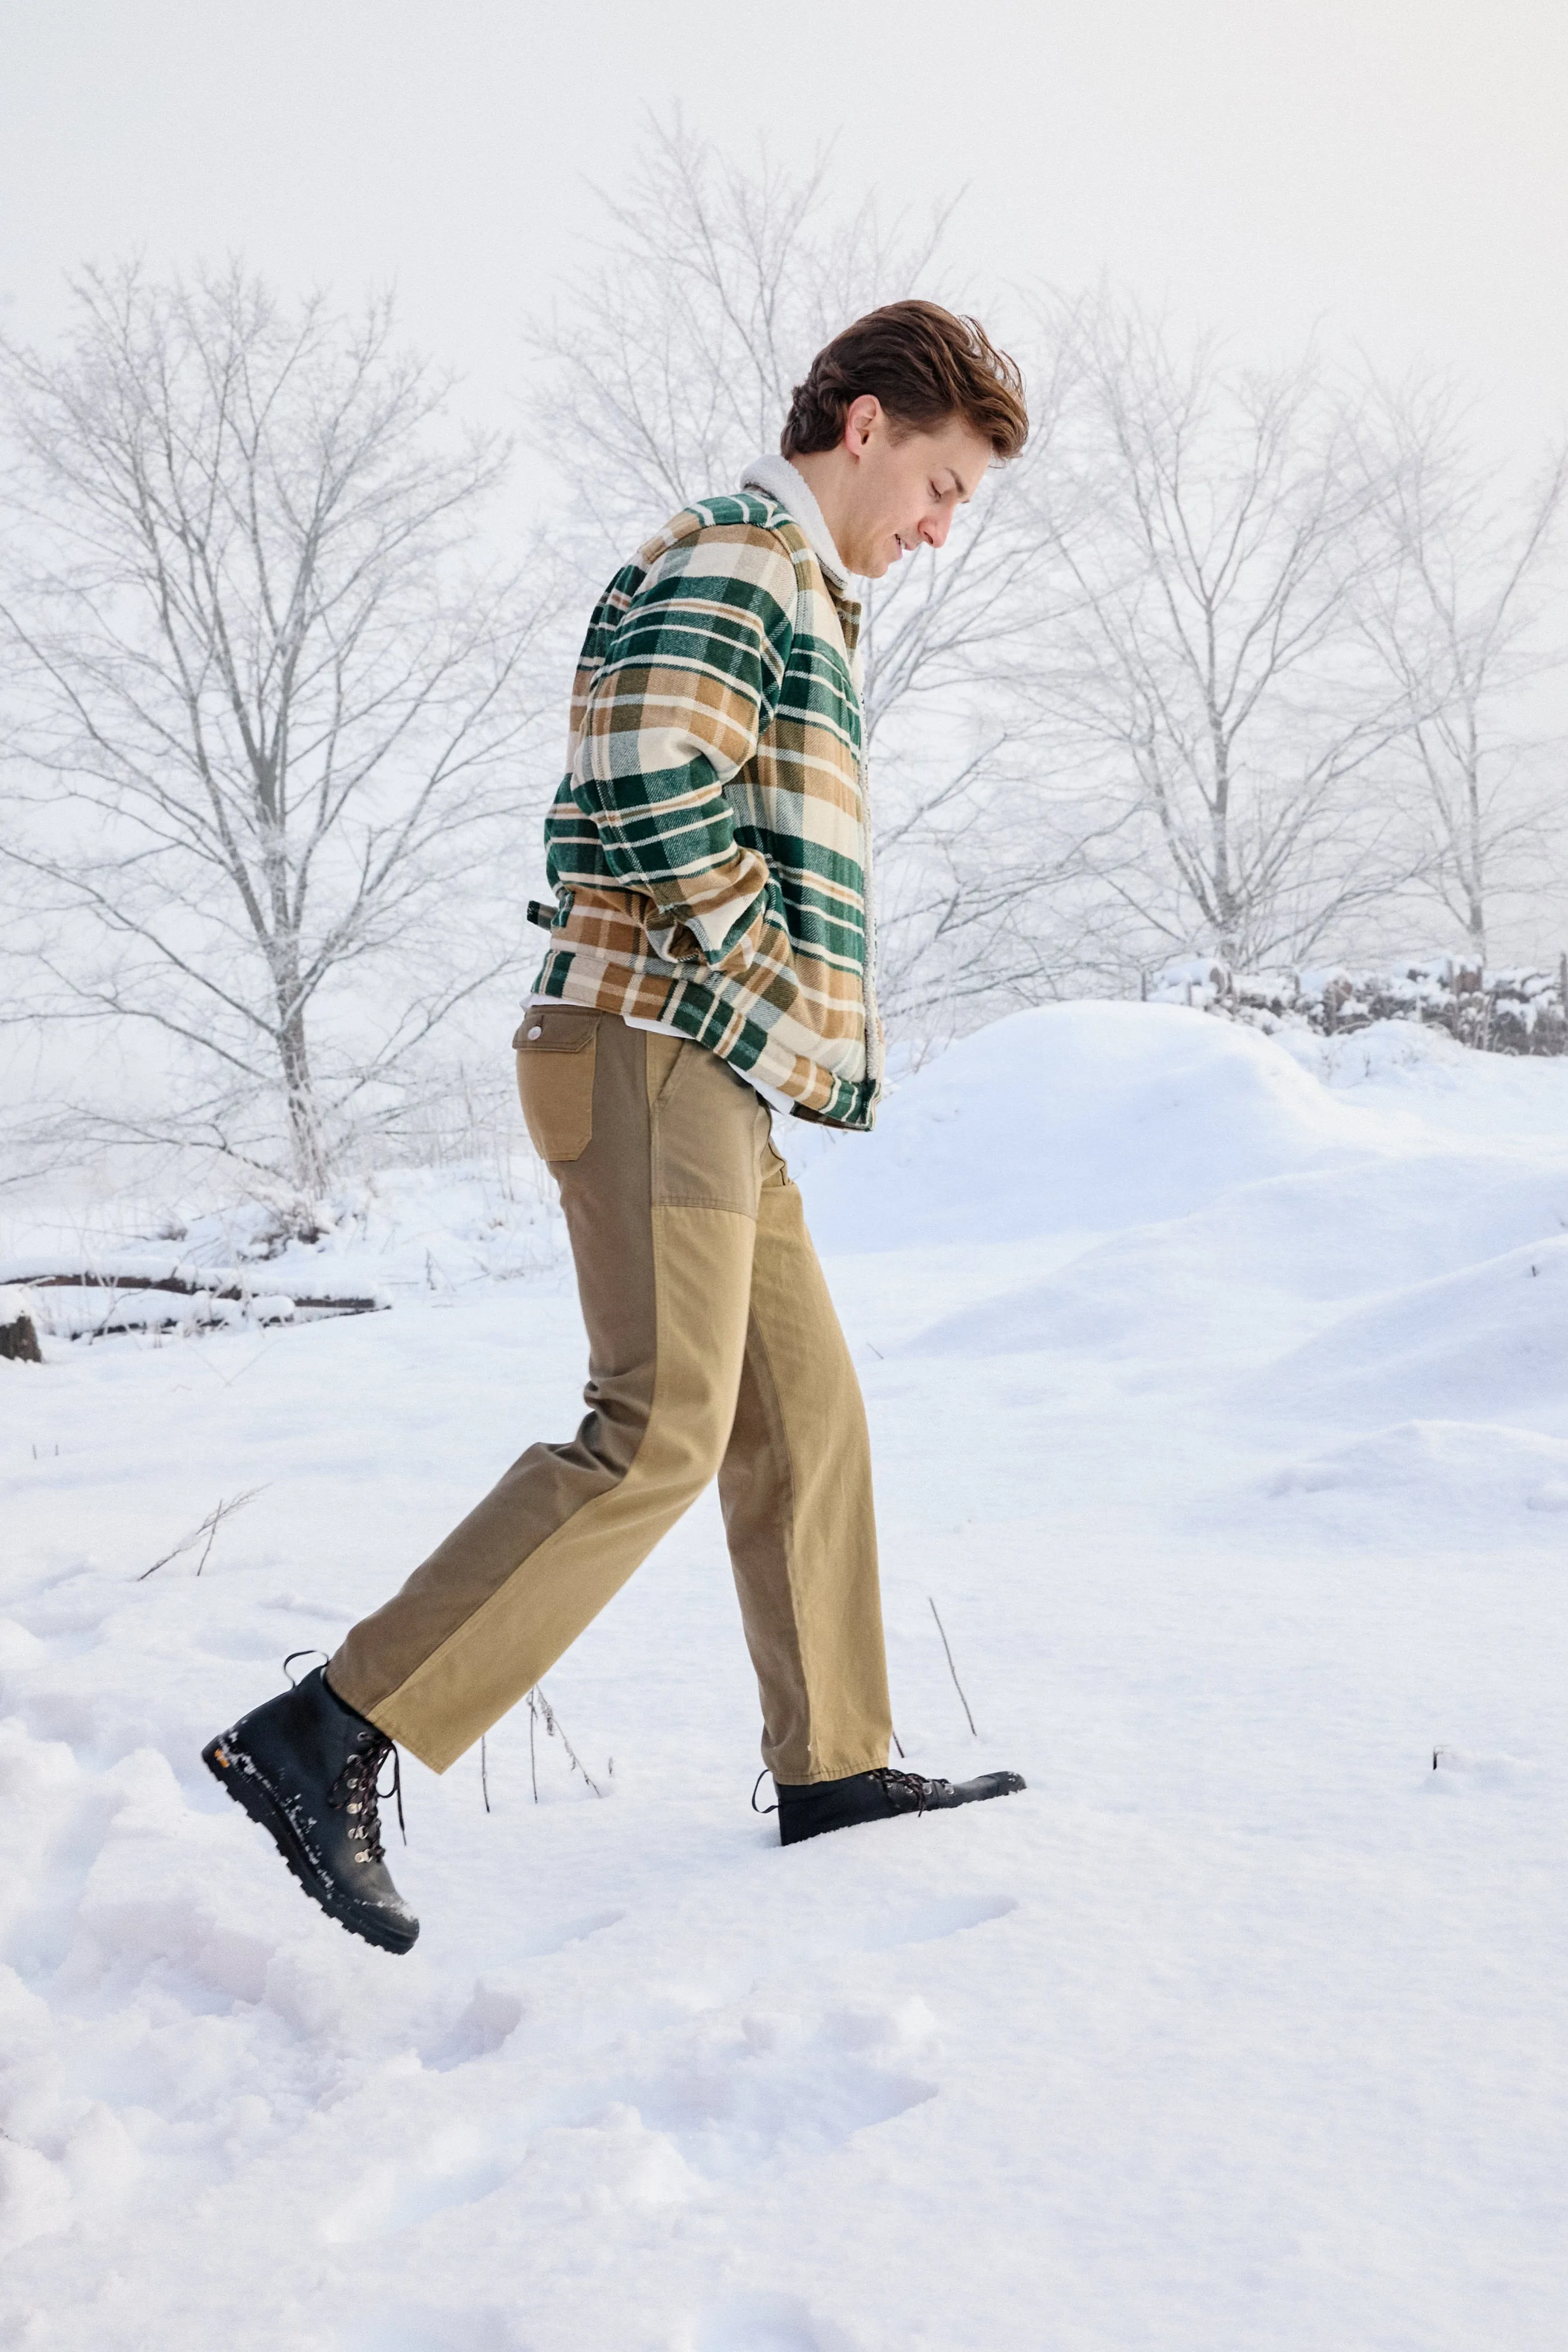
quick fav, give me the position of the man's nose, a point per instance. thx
(935, 527)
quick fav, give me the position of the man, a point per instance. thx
(710, 960)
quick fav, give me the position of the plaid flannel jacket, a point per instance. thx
(708, 844)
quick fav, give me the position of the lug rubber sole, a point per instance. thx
(250, 1791)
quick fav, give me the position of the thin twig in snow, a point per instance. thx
(484, 1773)
(540, 1706)
(209, 1529)
(952, 1669)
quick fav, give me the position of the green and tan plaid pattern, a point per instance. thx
(707, 843)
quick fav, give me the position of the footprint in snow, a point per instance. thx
(765, 2323)
(768, 2090)
(492, 2013)
(565, 1933)
(490, 2017)
(457, 2168)
(928, 1923)
(430, 2328)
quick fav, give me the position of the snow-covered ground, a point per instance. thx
(1220, 1400)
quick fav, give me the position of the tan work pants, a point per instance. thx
(713, 1348)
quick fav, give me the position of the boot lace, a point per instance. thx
(357, 1791)
(910, 1784)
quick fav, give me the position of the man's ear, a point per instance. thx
(860, 421)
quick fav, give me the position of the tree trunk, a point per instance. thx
(19, 1342)
(1475, 877)
(307, 1145)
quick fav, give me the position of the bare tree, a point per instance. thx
(672, 365)
(1209, 685)
(1453, 611)
(263, 717)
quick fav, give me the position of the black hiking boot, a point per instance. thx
(813, 1809)
(306, 1766)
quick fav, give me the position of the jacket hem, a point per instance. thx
(703, 1015)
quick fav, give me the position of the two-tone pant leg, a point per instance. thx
(659, 1154)
(796, 1487)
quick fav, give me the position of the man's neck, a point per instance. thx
(825, 474)
(783, 480)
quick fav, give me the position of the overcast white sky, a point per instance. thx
(1393, 171)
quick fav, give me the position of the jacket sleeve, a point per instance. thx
(689, 682)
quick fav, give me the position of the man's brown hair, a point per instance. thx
(924, 365)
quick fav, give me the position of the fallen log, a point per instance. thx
(184, 1288)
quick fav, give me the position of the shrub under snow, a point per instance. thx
(1498, 1011)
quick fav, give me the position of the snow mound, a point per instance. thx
(1462, 1091)
(1091, 1116)
(1450, 1486)
(1150, 1293)
(1470, 1345)
(1402, 1218)
(1233, 1274)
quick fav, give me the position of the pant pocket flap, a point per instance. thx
(544, 1031)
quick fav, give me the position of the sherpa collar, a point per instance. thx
(785, 482)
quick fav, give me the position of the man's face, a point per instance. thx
(904, 493)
